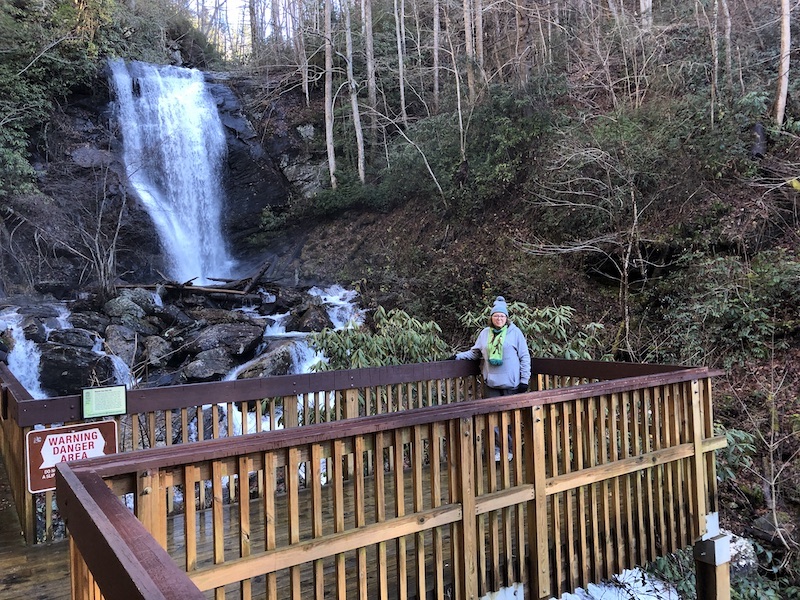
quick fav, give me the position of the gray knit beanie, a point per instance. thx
(499, 306)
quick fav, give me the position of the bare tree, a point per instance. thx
(372, 87)
(329, 142)
(783, 70)
(353, 86)
(400, 34)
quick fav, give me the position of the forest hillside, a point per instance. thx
(633, 166)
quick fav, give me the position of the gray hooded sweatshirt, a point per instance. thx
(516, 367)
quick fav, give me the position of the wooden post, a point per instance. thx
(539, 555)
(469, 538)
(350, 404)
(700, 484)
(150, 504)
(712, 559)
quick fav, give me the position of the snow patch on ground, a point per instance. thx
(631, 584)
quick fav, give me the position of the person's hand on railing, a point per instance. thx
(522, 388)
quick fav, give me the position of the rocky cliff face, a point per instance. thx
(86, 226)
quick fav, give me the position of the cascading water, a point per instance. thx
(343, 312)
(173, 148)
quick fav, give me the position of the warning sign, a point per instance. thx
(47, 447)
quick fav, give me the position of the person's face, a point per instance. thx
(499, 319)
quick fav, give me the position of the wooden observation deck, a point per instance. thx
(394, 482)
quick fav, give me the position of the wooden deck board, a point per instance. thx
(38, 572)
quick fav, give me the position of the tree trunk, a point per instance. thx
(351, 83)
(436, 42)
(783, 70)
(277, 25)
(479, 52)
(329, 93)
(399, 28)
(372, 87)
(299, 45)
(646, 11)
(256, 31)
(469, 46)
(726, 15)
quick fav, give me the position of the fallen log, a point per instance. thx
(186, 288)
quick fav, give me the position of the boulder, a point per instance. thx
(239, 339)
(122, 306)
(122, 342)
(74, 336)
(208, 365)
(314, 318)
(172, 316)
(157, 351)
(277, 360)
(91, 320)
(142, 298)
(34, 330)
(65, 370)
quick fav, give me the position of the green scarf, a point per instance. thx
(496, 339)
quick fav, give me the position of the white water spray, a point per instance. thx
(174, 145)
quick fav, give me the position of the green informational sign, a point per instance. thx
(104, 402)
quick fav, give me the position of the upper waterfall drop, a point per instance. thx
(173, 148)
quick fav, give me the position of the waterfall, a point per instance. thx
(173, 148)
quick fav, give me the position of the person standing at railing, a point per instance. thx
(503, 351)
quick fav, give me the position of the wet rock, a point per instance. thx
(91, 320)
(122, 341)
(208, 365)
(314, 318)
(276, 360)
(157, 351)
(220, 315)
(39, 311)
(239, 339)
(250, 176)
(142, 298)
(140, 326)
(173, 316)
(34, 330)
(66, 370)
(74, 336)
(122, 306)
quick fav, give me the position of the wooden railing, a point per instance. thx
(592, 479)
(185, 414)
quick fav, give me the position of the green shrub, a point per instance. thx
(396, 339)
(725, 310)
(737, 455)
(548, 331)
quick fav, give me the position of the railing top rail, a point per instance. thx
(28, 411)
(68, 408)
(170, 456)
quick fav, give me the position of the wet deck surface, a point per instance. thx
(28, 572)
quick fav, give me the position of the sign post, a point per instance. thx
(47, 447)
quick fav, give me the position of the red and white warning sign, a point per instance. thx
(47, 447)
